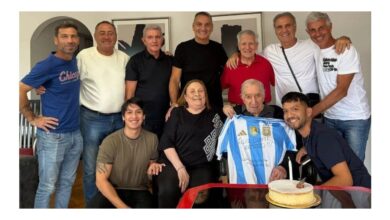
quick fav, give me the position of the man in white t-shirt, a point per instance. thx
(300, 55)
(102, 93)
(343, 97)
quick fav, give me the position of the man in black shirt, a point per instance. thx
(336, 163)
(147, 77)
(199, 58)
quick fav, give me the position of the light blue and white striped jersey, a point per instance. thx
(254, 147)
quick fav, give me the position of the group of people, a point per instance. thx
(158, 116)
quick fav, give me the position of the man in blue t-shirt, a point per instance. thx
(59, 142)
(336, 163)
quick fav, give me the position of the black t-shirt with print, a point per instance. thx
(193, 136)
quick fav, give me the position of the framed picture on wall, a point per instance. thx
(130, 33)
(227, 26)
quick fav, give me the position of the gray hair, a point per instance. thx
(285, 14)
(151, 27)
(315, 16)
(248, 32)
(252, 82)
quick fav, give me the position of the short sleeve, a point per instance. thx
(154, 154)
(106, 151)
(330, 150)
(38, 75)
(179, 58)
(132, 72)
(168, 138)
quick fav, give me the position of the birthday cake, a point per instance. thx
(286, 192)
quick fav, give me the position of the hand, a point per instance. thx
(302, 152)
(155, 168)
(278, 173)
(168, 53)
(223, 179)
(41, 90)
(184, 178)
(341, 44)
(232, 62)
(228, 111)
(45, 123)
(169, 111)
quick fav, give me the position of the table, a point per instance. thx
(218, 195)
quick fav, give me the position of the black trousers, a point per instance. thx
(133, 198)
(169, 192)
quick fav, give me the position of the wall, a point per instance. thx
(356, 25)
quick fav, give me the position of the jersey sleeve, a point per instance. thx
(223, 139)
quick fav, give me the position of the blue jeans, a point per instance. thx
(58, 157)
(354, 131)
(94, 128)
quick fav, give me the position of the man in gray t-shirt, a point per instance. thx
(125, 159)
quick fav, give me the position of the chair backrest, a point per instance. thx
(27, 132)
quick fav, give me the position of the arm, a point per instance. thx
(228, 110)
(130, 89)
(341, 90)
(180, 168)
(342, 175)
(103, 172)
(342, 43)
(232, 62)
(174, 82)
(44, 123)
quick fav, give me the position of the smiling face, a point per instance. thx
(202, 27)
(133, 117)
(296, 114)
(195, 96)
(285, 30)
(320, 33)
(67, 41)
(105, 37)
(247, 46)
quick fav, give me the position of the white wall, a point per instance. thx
(356, 25)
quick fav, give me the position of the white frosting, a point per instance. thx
(286, 192)
(289, 186)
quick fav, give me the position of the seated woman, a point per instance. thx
(188, 145)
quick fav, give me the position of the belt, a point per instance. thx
(99, 113)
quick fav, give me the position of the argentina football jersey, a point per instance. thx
(254, 146)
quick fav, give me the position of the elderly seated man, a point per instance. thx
(255, 145)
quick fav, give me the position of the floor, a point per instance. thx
(77, 198)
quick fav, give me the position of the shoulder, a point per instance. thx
(186, 43)
(149, 135)
(114, 136)
(138, 56)
(271, 48)
(86, 52)
(260, 58)
(121, 54)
